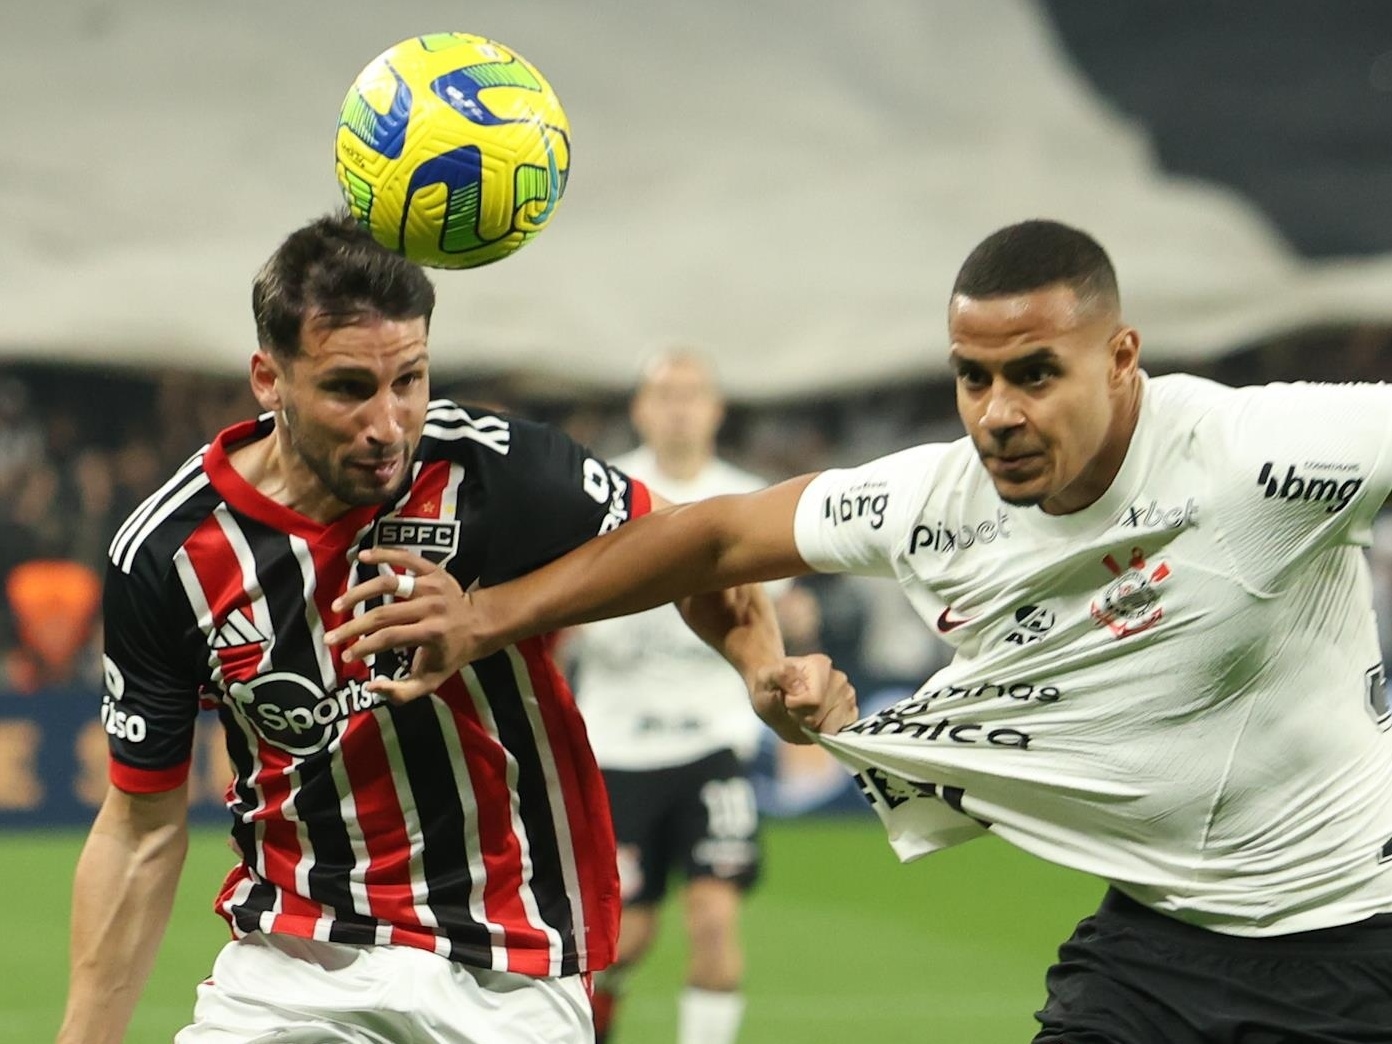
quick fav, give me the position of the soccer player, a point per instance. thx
(442, 870)
(672, 729)
(1166, 671)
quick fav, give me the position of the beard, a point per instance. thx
(316, 452)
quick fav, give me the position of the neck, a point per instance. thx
(1103, 470)
(270, 467)
(681, 463)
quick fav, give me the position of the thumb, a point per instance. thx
(404, 690)
(787, 677)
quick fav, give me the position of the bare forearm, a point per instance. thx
(739, 623)
(686, 550)
(122, 896)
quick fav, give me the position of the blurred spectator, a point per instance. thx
(54, 605)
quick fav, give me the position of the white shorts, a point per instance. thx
(281, 989)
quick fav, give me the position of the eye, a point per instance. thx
(972, 378)
(1038, 374)
(347, 388)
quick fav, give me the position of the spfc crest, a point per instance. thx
(433, 539)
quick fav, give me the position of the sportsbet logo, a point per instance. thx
(1296, 486)
(295, 714)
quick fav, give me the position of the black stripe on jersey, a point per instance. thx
(444, 855)
(240, 754)
(534, 803)
(260, 900)
(318, 803)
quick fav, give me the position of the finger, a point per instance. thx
(375, 619)
(402, 636)
(377, 587)
(397, 558)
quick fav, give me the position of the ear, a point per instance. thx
(1126, 354)
(266, 376)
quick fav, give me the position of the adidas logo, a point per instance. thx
(237, 630)
(1294, 486)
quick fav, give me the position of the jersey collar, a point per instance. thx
(246, 499)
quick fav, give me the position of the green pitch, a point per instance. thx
(843, 942)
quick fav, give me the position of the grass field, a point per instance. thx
(843, 942)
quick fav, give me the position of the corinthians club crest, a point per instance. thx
(1131, 602)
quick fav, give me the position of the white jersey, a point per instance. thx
(652, 693)
(1178, 688)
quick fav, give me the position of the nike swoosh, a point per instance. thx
(945, 623)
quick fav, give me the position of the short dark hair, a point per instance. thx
(333, 267)
(1034, 254)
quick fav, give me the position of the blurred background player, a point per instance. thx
(673, 731)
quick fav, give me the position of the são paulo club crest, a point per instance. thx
(1131, 602)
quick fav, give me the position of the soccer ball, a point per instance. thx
(452, 149)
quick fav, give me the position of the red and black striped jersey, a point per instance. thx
(474, 822)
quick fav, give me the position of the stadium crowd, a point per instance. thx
(81, 447)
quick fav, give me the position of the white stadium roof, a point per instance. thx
(790, 185)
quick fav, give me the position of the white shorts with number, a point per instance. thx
(280, 989)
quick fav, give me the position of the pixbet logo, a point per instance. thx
(945, 539)
(1294, 486)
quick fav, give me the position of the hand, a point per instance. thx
(427, 621)
(799, 695)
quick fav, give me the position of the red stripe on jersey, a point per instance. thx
(587, 805)
(145, 781)
(427, 492)
(380, 822)
(640, 502)
(528, 946)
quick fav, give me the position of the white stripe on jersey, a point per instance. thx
(478, 876)
(555, 794)
(449, 503)
(489, 431)
(138, 516)
(185, 493)
(519, 830)
(328, 675)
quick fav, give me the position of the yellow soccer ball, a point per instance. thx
(452, 149)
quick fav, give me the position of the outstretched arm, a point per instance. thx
(667, 556)
(122, 895)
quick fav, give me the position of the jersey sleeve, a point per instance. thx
(1304, 467)
(151, 686)
(853, 520)
(549, 496)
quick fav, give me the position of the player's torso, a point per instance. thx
(653, 694)
(1137, 672)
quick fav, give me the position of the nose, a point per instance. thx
(383, 420)
(1003, 410)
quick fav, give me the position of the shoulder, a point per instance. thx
(455, 432)
(164, 520)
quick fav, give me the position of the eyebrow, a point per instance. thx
(363, 371)
(1039, 355)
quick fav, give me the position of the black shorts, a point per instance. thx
(699, 817)
(1132, 976)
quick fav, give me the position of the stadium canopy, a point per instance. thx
(789, 185)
